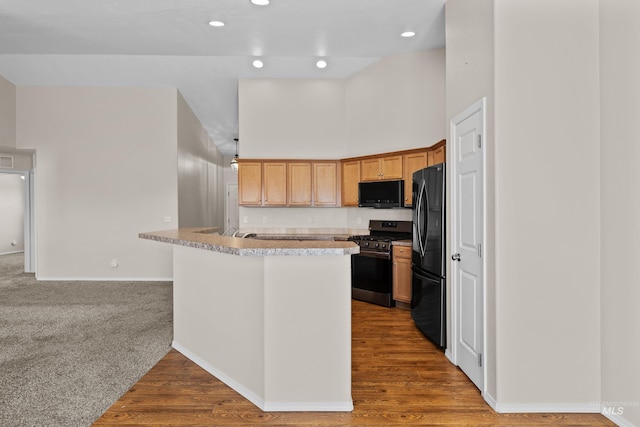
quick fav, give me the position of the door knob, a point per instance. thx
(455, 257)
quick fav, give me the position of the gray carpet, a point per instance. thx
(69, 350)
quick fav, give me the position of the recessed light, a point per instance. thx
(260, 2)
(408, 34)
(216, 23)
(321, 64)
(258, 64)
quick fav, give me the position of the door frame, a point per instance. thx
(227, 204)
(480, 105)
(29, 217)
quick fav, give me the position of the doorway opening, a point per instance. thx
(17, 220)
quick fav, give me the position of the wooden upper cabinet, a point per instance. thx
(412, 162)
(250, 183)
(439, 155)
(299, 184)
(325, 184)
(378, 168)
(275, 183)
(370, 170)
(392, 167)
(350, 180)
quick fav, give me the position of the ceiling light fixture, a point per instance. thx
(216, 23)
(234, 161)
(408, 34)
(260, 2)
(321, 64)
(258, 64)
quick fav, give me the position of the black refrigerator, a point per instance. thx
(428, 267)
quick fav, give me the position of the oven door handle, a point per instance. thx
(373, 254)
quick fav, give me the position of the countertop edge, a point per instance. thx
(203, 238)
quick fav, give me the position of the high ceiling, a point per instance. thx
(159, 43)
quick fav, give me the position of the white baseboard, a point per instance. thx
(491, 401)
(242, 390)
(259, 401)
(449, 355)
(583, 408)
(12, 252)
(104, 279)
(619, 420)
(308, 407)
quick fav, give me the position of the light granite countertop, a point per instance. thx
(207, 238)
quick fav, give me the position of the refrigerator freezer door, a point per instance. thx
(428, 306)
(428, 220)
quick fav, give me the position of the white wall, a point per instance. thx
(620, 208)
(7, 113)
(470, 77)
(106, 171)
(539, 74)
(200, 173)
(397, 103)
(292, 118)
(12, 194)
(547, 173)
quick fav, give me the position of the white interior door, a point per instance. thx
(467, 136)
(233, 215)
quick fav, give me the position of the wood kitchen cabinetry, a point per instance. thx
(438, 155)
(274, 183)
(402, 274)
(350, 180)
(381, 168)
(250, 183)
(412, 162)
(328, 182)
(325, 184)
(288, 183)
(299, 184)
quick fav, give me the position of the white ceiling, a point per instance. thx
(169, 43)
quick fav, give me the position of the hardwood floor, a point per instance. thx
(399, 378)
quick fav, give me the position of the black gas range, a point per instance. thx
(371, 269)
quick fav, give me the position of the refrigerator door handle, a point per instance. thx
(419, 210)
(424, 235)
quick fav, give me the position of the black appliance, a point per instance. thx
(428, 299)
(381, 194)
(371, 269)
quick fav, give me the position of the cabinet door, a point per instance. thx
(402, 274)
(412, 162)
(299, 179)
(325, 184)
(250, 183)
(439, 155)
(350, 180)
(275, 183)
(370, 169)
(391, 167)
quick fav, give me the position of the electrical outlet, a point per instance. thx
(167, 218)
(113, 263)
(245, 219)
(310, 220)
(264, 219)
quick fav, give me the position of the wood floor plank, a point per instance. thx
(398, 378)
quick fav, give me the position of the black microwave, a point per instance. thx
(381, 194)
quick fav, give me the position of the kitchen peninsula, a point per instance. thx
(269, 318)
